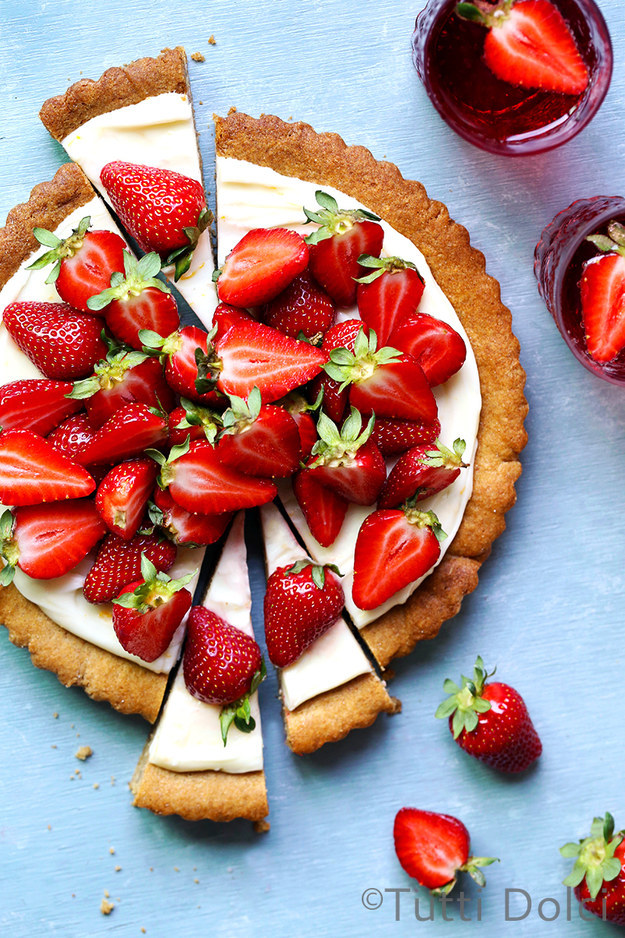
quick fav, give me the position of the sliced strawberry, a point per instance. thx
(123, 378)
(226, 316)
(193, 421)
(48, 541)
(131, 429)
(439, 349)
(186, 527)
(260, 266)
(118, 563)
(421, 472)
(393, 549)
(259, 439)
(342, 237)
(388, 295)
(36, 404)
(71, 435)
(347, 462)
(395, 436)
(123, 494)
(303, 308)
(191, 365)
(300, 410)
(62, 342)
(323, 509)
(32, 471)
(602, 291)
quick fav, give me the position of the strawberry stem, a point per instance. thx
(594, 856)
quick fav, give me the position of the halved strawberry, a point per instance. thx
(347, 462)
(118, 563)
(323, 509)
(186, 527)
(421, 472)
(130, 430)
(226, 316)
(191, 365)
(123, 494)
(395, 436)
(602, 292)
(32, 471)
(47, 541)
(260, 266)
(388, 295)
(259, 439)
(439, 349)
(303, 308)
(36, 404)
(62, 342)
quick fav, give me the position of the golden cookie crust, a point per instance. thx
(297, 150)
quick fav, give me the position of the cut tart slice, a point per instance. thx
(267, 172)
(332, 688)
(140, 114)
(186, 768)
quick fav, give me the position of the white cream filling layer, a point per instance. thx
(188, 735)
(158, 131)
(336, 657)
(250, 196)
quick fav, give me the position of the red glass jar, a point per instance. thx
(559, 258)
(491, 113)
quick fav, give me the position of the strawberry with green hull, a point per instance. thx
(394, 547)
(301, 412)
(259, 439)
(32, 471)
(388, 295)
(421, 472)
(36, 404)
(189, 361)
(323, 509)
(118, 563)
(260, 266)
(393, 436)
(222, 666)
(337, 244)
(302, 309)
(433, 848)
(147, 613)
(186, 527)
(132, 429)
(491, 722)
(123, 494)
(334, 402)
(82, 263)
(602, 294)
(598, 876)
(439, 349)
(193, 421)
(301, 603)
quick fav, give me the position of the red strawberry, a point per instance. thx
(300, 411)
(389, 295)
(185, 527)
(32, 471)
(193, 421)
(83, 262)
(163, 210)
(301, 603)
(71, 435)
(491, 722)
(47, 541)
(253, 354)
(434, 848)
(226, 316)
(421, 472)
(200, 482)
(260, 266)
(147, 613)
(395, 436)
(63, 343)
(598, 875)
(35, 404)
(118, 563)
(131, 429)
(191, 365)
(439, 349)
(334, 402)
(259, 439)
(347, 461)
(602, 293)
(137, 301)
(302, 308)
(342, 237)
(394, 548)
(529, 44)
(123, 494)
(323, 509)
(222, 666)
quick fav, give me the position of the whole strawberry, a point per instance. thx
(118, 563)
(490, 721)
(598, 876)
(301, 603)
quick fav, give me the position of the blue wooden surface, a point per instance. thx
(548, 611)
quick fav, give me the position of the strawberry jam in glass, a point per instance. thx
(581, 272)
(514, 76)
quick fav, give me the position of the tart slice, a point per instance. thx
(186, 768)
(139, 114)
(331, 688)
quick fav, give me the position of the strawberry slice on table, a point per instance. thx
(123, 495)
(137, 299)
(394, 547)
(433, 848)
(490, 721)
(163, 210)
(342, 237)
(421, 472)
(222, 666)
(260, 266)
(323, 509)
(602, 294)
(47, 541)
(186, 527)
(439, 349)
(32, 471)
(132, 429)
(598, 875)
(394, 436)
(301, 603)
(389, 294)
(302, 309)
(529, 44)
(36, 404)
(118, 563)
(193, 421)
(63, 343)
(147, 613)
(259, 439)
(83, 262)
(71, 435)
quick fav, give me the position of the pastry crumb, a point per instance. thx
(106, 907)
(55, 715)
(176, 869)
(96, 784)
(111, 850)
(198, 57)
(261, 827)
(107, 894)
(143, 931)
(113, 779)
(49, 827)
(196, 880)
(396, 705)
(232, 110)
(85, 752)
(118, 869)
(54, 746)
(212, 41)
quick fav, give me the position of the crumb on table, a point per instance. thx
(212, 41)
(198, 57)
(84, 753)
(106, 907)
